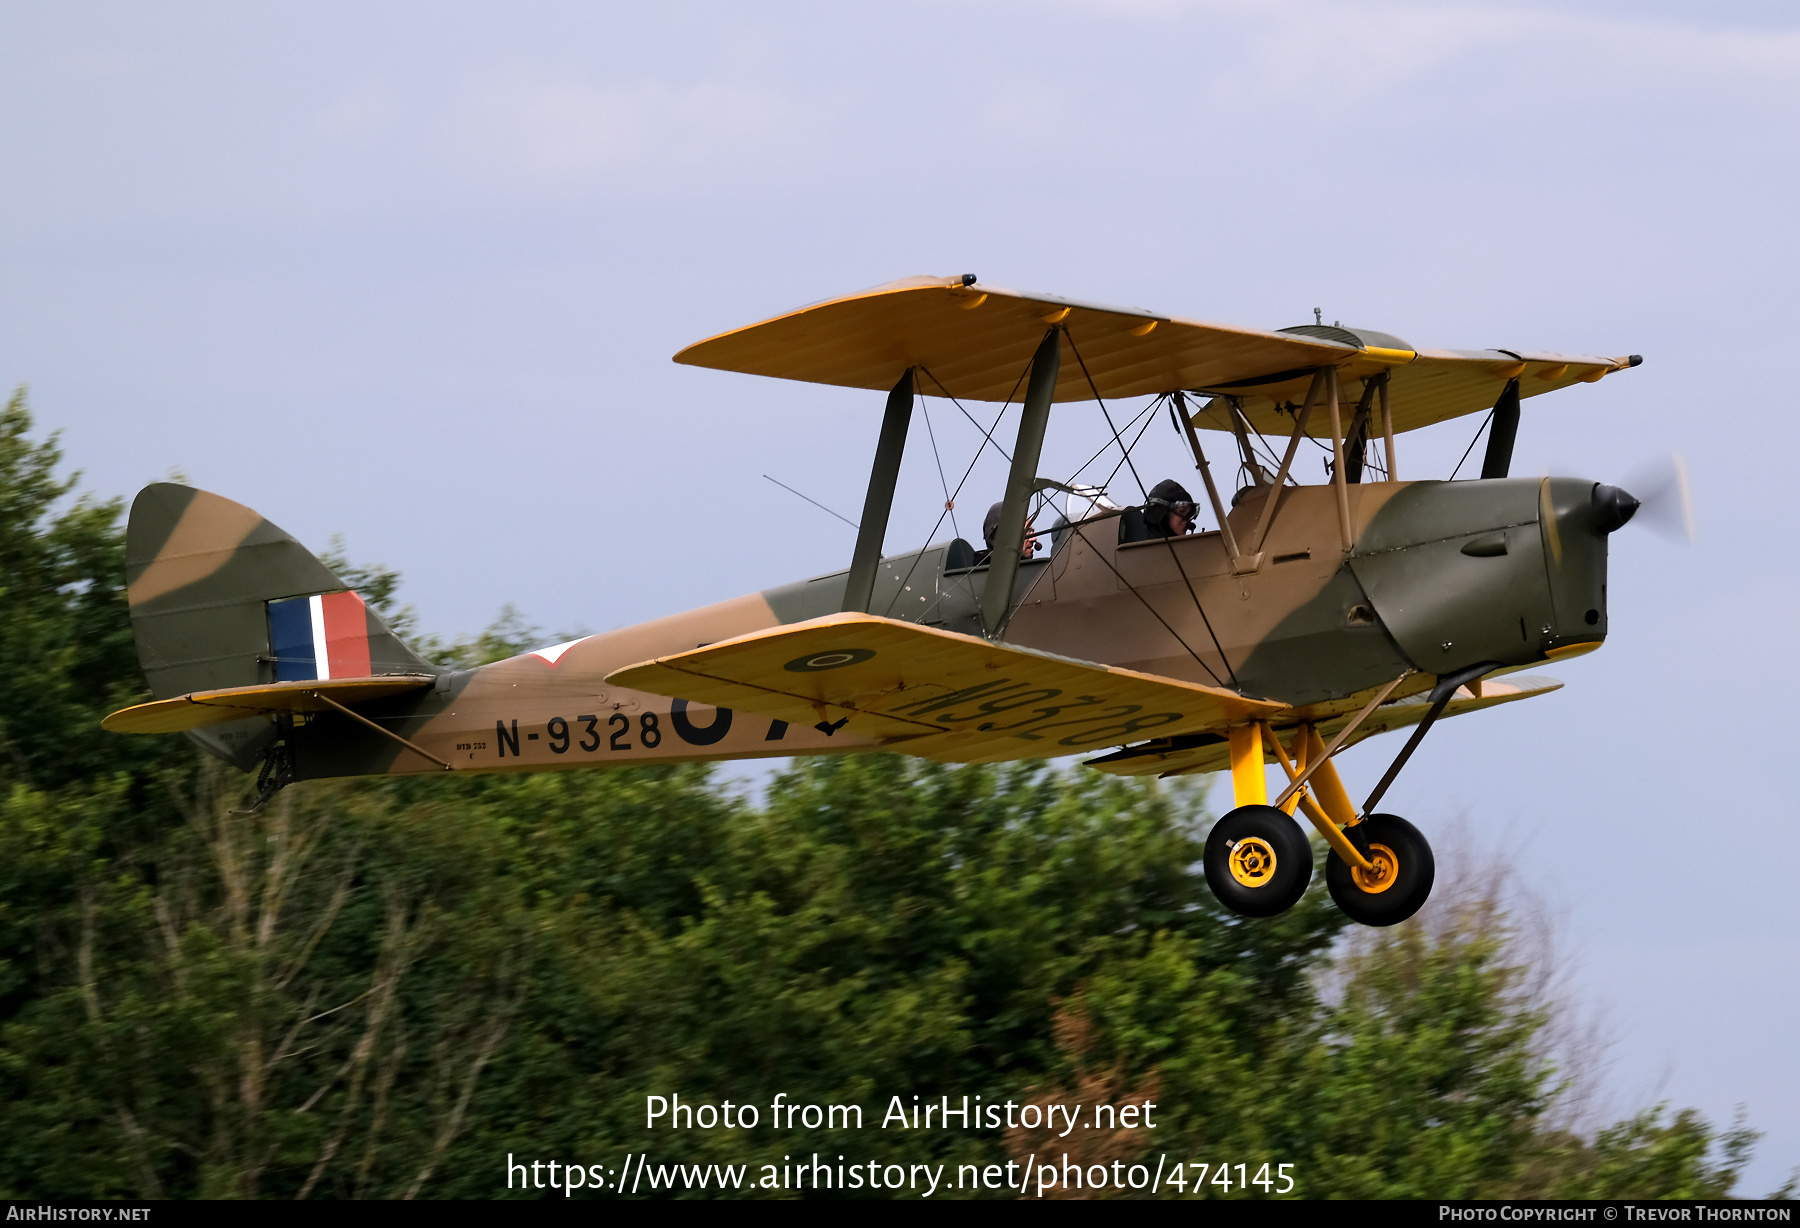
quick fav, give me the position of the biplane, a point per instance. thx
(1307, 618)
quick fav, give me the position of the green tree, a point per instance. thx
(68, 655)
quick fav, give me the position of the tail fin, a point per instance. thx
(222, 598)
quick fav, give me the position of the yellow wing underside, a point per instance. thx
(975, 342)
(1177, 760)
(937, 694)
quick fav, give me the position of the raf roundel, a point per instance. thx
(829, 660)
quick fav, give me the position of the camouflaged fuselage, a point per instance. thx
(1440, 576)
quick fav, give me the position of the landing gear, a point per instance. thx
(1258, 861)
(1399, 880)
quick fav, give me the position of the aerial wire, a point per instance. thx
(814, 502)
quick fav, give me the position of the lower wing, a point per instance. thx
(1196, 753)
(937, 694)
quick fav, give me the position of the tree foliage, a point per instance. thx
(383, 988)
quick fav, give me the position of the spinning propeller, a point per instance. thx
(1666, 507)
(1666, 503)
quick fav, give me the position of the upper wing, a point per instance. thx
(938, 694)
(974, 342)
(204, 708)
(1190, 756)
(1429, 386)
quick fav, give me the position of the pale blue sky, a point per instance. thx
(413, 273)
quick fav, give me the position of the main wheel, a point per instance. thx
(1402, 878)
(1258, 861)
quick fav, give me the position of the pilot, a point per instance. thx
(991, 526)
(1169, 510)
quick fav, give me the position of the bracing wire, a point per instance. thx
(1146, 416)
(1169, 543)
(1186, 582)
(1472, 443)
(1267, 451)
(987, 438)
(1101, 402)
(949, 503)
(1135, 439)
(1146, 603)
(1105, 446)
(987, 433)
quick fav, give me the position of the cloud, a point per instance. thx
(535, 133)
(1360, 46)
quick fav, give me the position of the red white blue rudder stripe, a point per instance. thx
(319, 637)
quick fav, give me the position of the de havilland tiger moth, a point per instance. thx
(1307, 619)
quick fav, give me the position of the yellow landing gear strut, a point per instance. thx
(1321, 794)
(1258, 861)
(1383, 868)
(1328, 803)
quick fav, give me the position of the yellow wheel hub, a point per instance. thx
(1384, 873)
(1253, 862)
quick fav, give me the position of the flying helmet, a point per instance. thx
(1168, 497)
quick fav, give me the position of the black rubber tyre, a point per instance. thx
(1411, 869)
(1258, 861)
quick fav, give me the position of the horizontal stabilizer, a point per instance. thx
(939, 694)
(204, 708)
